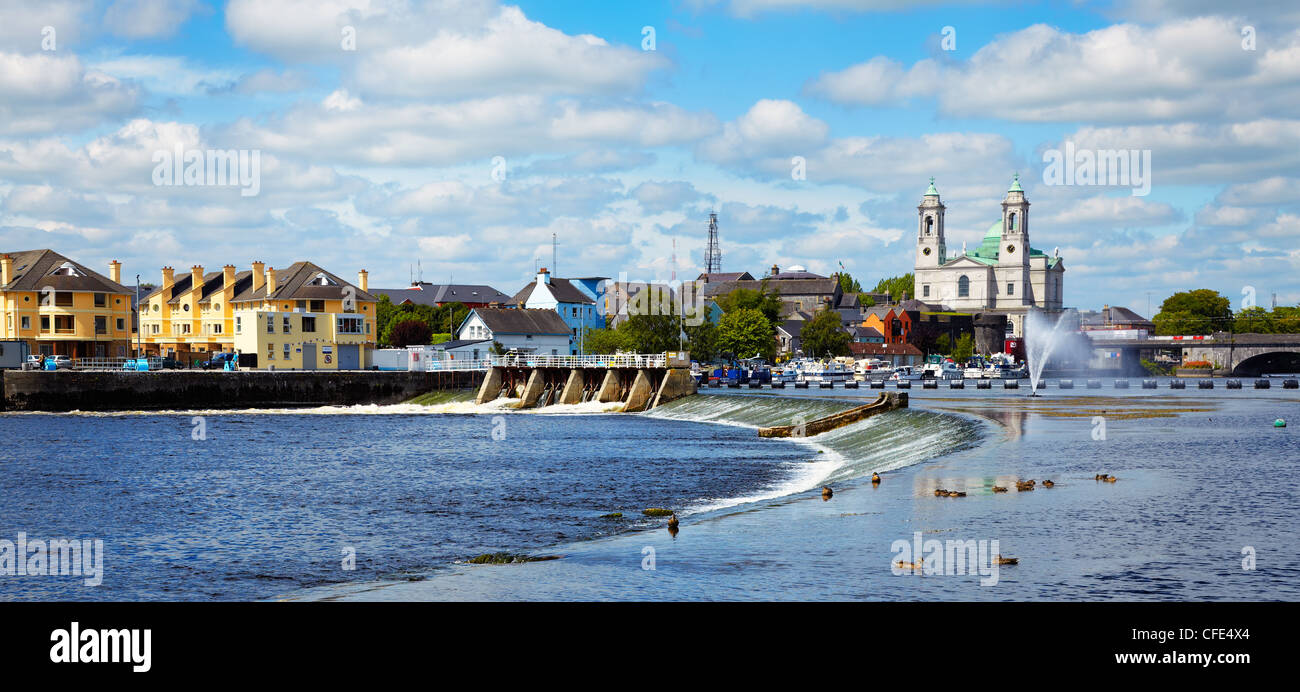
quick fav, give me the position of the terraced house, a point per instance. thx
(192, 317)
(304, 318)
(61, 307)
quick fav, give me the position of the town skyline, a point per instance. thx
(575, 122)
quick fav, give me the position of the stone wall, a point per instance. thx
(67, 390)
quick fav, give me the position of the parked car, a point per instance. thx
(172, 364)
(219, 361)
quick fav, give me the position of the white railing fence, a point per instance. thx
(623, 360)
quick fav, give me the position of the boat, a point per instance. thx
(905, 372)
(975, 369)
(833, 371)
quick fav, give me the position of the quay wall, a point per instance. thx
(67, 390)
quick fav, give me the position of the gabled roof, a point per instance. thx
(784, 287)
(435, 294)
(865, 332)
(860, 349)
(563, 291)
(34, 270)
(460, 343)
(717, 277)
(535, 321)
(296, 283)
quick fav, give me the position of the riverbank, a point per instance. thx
(1202, 480)
(67, 390)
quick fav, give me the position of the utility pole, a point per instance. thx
(139, 328)
(555, 244)
(713, 254)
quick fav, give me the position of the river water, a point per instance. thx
(391, 502)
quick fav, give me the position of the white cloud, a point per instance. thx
(48, 92)
(148, 18)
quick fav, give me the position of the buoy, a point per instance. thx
(1279, 423)
(827, 493)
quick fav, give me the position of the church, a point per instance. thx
(1003, 275)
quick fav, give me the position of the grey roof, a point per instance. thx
(536, 321)
(293, 284)
(792, 327)
(1112, 315)
(563, 291)
(918, 306)
(717, 277)
(32, 272)
(784, 287)
(859, 331)
(435, 294)
(459, 343)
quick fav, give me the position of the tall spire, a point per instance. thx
(1015, 184)
(932, 192)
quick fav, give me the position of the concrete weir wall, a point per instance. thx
(125, 391)
(640, 389)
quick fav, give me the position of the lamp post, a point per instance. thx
(139, 328)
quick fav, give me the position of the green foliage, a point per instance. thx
(498, 349)
(440, 320)
(1156, 369)
(896, 286)
(823, 337)
(702, 341)
(964, 348)
(652, 333)
(1201, 311)
(745, 332)
(765, 301)
(604, 341)
(657, 512)
(943, 343)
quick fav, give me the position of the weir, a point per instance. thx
(887, 401)
(639, 382)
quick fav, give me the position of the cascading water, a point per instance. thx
(1042, 336)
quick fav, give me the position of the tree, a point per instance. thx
(896, 286)
(746, 332)
(1201, 311)
(943, 344)
(763, 300)
(652, 333)
(411, 333)
(702, 341)
(605, 341)
(964, 348)
(822, 335)
(1254, 320)
(848, 284)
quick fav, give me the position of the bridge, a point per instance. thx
(1239, 355)
(640, 381)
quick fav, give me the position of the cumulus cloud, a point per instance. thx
(49, 92)
(148, 18)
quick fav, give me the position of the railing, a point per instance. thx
(622, 360)
(155, 363)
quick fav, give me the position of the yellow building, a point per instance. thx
(304, 318)
(61, 307)
(192, 317)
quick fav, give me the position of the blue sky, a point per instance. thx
(384, 155)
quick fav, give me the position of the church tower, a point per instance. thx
(1014, 286)
(931, 252)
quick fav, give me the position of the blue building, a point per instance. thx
(574, 300)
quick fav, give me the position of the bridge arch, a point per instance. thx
(1265, 363)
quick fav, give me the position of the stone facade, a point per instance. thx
(1004, 274)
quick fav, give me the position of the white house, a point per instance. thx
(522, 329)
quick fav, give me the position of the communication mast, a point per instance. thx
(713, 255)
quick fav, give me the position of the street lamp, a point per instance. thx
(139, 329)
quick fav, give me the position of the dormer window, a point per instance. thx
(66, 269)
(322, 280)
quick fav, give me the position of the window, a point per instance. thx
(349, 325)
(963, 287)
(26, 322)
(101, 300)
(1011, 289)
(185, 329)
(63, 298)
(101, 325)
(155, 328)
(929, 224)
(270, 324)
(239, 325)
(574, 312)
(63, 324)
(318, 306)
(309, 325)
(270, 351)
(215, 328)
(121, 324)
(1012, 221)
(302, 305)
(287, 350)
(287, 328)
(925, 290)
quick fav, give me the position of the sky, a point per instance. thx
(463, 135)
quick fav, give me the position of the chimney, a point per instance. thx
(270, 280)
(196, 279)
(775, 270)
(6, 270)
(114, 271)
(543, 276)
(227, 276)
(169, 278)
(259, 274)
(363, 280)
(1105, 315)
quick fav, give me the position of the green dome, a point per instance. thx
(1015, 185)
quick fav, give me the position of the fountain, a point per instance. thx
(1039, 348)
